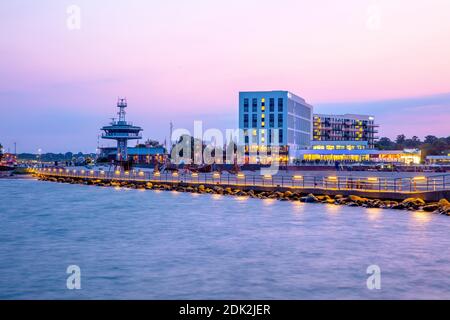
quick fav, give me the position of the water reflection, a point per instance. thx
(374, 214)
(269, 202)
(217, 196)
(332, 208)
(298, 206)
(422, 217)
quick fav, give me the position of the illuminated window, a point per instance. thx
(263, 116)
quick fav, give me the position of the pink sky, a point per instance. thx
(186, 60)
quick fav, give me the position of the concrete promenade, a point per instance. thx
(427, 187)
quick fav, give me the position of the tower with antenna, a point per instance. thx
(121, 131)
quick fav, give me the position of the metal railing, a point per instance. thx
(380, 184)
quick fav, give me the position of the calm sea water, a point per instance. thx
(133, 244)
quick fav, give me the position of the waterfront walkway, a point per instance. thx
(434, 186)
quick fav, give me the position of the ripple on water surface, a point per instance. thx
(171, 245)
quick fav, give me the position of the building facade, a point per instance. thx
(407, 156)
(337, 130)
(438, 160)
(139, 155)
(274, 119)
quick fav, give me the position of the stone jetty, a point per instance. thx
(412, 204)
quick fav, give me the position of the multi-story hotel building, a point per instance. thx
(348, 131)
(265, 116)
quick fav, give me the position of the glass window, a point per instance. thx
(246, 120)
(272, 104)
(254, 105)
(254, 120)
(245, 105)
(280, 120)
(280, 104)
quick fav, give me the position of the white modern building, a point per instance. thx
(265, 116)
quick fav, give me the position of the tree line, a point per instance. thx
(431, 145)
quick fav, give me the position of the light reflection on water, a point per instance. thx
(166, 245)
(332, 208)
(422, 217)
(217, 196)
(269, 202)
(374, 214)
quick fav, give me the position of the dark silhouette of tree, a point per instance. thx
(430, 139)
(385, 144)
(430, 146)
(401, 138)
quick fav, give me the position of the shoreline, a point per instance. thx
(411, 203)
(17, 177)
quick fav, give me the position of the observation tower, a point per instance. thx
(122, 131)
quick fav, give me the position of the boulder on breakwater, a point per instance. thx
(440, 207)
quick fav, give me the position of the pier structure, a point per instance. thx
(121, 131)
(429, 188)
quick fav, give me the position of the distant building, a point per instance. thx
(339, 130)
(438, 160)
(142, 155)
(340, 145)
(280, 115)
(407, 156)
(8, 159)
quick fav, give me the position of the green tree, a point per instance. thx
(414, 142)
(430, 139)
(385, 143)
(401, 138)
